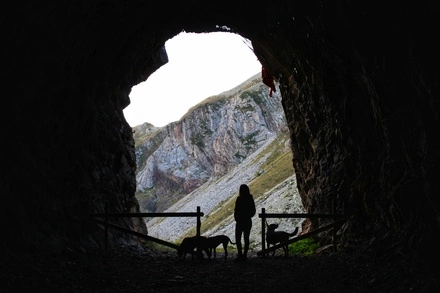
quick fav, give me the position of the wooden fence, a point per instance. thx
(95, 216)
(340, 219)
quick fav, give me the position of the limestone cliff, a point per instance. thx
(212, 138)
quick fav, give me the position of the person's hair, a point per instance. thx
(244, 189)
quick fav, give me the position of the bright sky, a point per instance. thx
(199, 66)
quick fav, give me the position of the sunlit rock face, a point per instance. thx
(359, 88)
(211, 139)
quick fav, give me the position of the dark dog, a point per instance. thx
(215, 241)
(190, 243)
(275, 237)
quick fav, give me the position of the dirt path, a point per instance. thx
(153, 271)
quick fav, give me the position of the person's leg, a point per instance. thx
(238, 233)
(247, 234)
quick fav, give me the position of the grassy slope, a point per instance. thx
(277, 168)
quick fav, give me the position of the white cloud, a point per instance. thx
(200, 66)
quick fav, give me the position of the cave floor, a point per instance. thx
(151, 270)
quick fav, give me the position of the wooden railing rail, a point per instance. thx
(95, 216)
(298, 238)
(340, 219)
(263, 215)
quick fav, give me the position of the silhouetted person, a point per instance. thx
(243, 213)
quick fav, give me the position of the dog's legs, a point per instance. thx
(225, 247)
(286, 250)
(273, 252)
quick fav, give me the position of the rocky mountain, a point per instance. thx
(239, 136)
(268, 172)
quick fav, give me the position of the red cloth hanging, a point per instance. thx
(268, 80)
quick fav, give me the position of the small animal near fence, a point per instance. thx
(96, 217)
(339, 219)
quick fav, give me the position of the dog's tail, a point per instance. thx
(230, 241)
(294, 232)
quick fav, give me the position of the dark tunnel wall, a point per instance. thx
(360, 91)
(355, 114)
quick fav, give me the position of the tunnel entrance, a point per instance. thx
(163, 176)
(360, 92)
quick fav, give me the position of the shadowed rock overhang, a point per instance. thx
(359, 85)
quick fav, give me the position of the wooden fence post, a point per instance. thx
(263, 229)
(199, 223)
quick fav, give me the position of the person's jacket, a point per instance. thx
(244, 208)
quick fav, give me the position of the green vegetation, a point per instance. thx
(253, 94)
(304, 247)
(144, 132)
(205, 128)
(215, 102)
(156, 139)
(239, 156)
(146, 194)
(258, 99)
(197, 139)
(157, 246)
(248, 94)
(247, 108)
(277, 168)
(249, 141)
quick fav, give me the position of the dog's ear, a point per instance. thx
(267, 225)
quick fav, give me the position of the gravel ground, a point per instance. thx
(130, 270)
